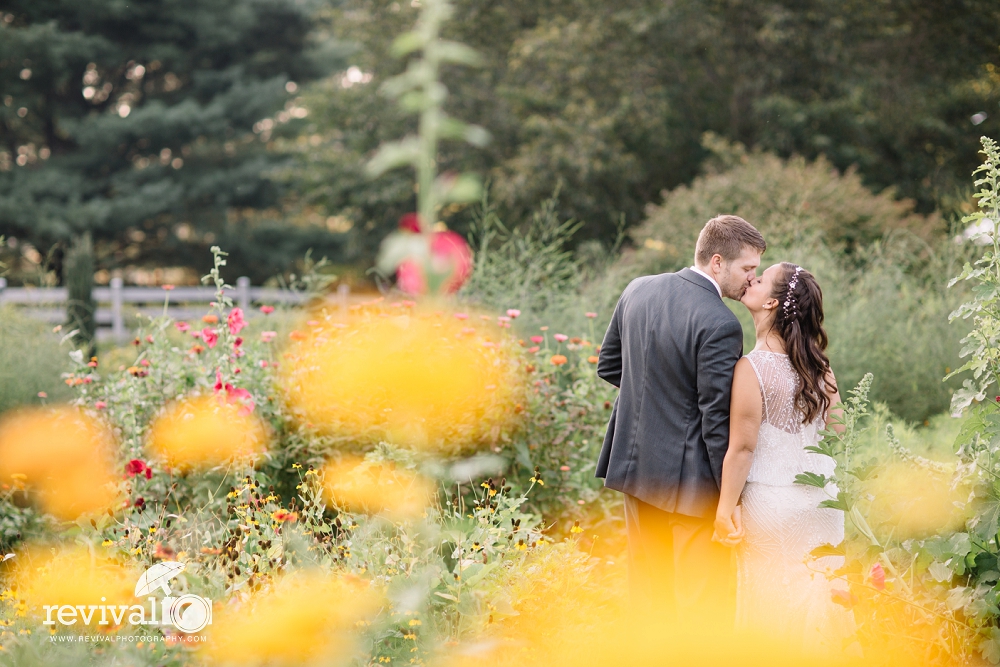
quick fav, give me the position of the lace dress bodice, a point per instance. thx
(781, 442)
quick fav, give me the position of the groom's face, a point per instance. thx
(737, 274)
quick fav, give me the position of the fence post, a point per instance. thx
(117, 317)
(243, 293)
(342, 291)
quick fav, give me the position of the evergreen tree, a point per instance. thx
(146, 122)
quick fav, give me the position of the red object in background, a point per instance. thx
(138, 467)
(410, 223)
(450, 255)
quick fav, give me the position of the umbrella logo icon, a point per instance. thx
(188, 613)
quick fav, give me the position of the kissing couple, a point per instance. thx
(705, 443)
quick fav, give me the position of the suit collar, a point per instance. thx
(699, 280)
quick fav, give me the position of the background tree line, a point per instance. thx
(606, 104)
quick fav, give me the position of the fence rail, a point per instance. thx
(48, 303)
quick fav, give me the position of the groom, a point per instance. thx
(671, 348)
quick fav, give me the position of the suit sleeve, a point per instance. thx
(609, 362)
(717, 359)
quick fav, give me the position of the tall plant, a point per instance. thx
(79, 277)
(419, 90)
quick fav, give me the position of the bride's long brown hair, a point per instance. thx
(799, 322)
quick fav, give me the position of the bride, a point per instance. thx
(782, 394)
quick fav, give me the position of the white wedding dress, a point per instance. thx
(781, 590)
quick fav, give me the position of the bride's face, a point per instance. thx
(758, 297)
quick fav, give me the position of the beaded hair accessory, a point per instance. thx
(789, 305)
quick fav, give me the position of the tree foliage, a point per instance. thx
(134, 121)
(611, 100)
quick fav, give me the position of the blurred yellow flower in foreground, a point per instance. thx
(205, 431)
(62, 454)
(72, 577)
(363, 486)
(910, 501)
(419, 379)
(307, 616)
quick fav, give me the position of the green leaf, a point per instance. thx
(454, 52)
(827, 550)
(812, 479)
(407, 43)
(394, 154)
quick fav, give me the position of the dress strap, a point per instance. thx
(760, 383)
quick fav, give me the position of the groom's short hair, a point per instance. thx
(727, 235)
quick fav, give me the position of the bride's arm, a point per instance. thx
(745, 414)
(831, 382)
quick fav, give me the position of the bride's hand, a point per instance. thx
(729, 529)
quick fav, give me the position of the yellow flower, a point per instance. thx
(413, 622)
(203, 432)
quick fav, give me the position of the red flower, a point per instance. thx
(267, 310)
(877, 575)
(235, 321)
(410, 222)
(537, 339)
(138, 467)
(233, 394)
(450, 256)
(209, 336)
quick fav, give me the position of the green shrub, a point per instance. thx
(30, 360)
(883, 268)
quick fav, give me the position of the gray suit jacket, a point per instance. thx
(671, 348)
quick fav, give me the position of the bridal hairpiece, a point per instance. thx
(789, 304)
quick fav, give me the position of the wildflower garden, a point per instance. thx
(409, 479)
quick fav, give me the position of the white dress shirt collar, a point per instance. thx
(710, 279)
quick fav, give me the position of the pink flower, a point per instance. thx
(144, 362)
(562, 338)
(503, 319)
(591, 315)
(564, 468)
(313, 323)
(234, 395)
(878, 576)
(262, 363)
(450, 260)
(268, 336)
(138, 467)
(513, 313)
(537, 339)
(534, 349)
(461, 316)
(168, 287)
(468, 330)
(196, 334)
(100, 405)
(182, 326)
(267, 310)
(235, 321)
(209, 336)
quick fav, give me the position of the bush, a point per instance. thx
(884, 269)
(31, 360)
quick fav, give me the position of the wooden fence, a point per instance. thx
(116, 302)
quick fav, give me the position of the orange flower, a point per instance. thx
(592, 359)
(558, 359)
(285, 515)
(297, 335)
(210, 319)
